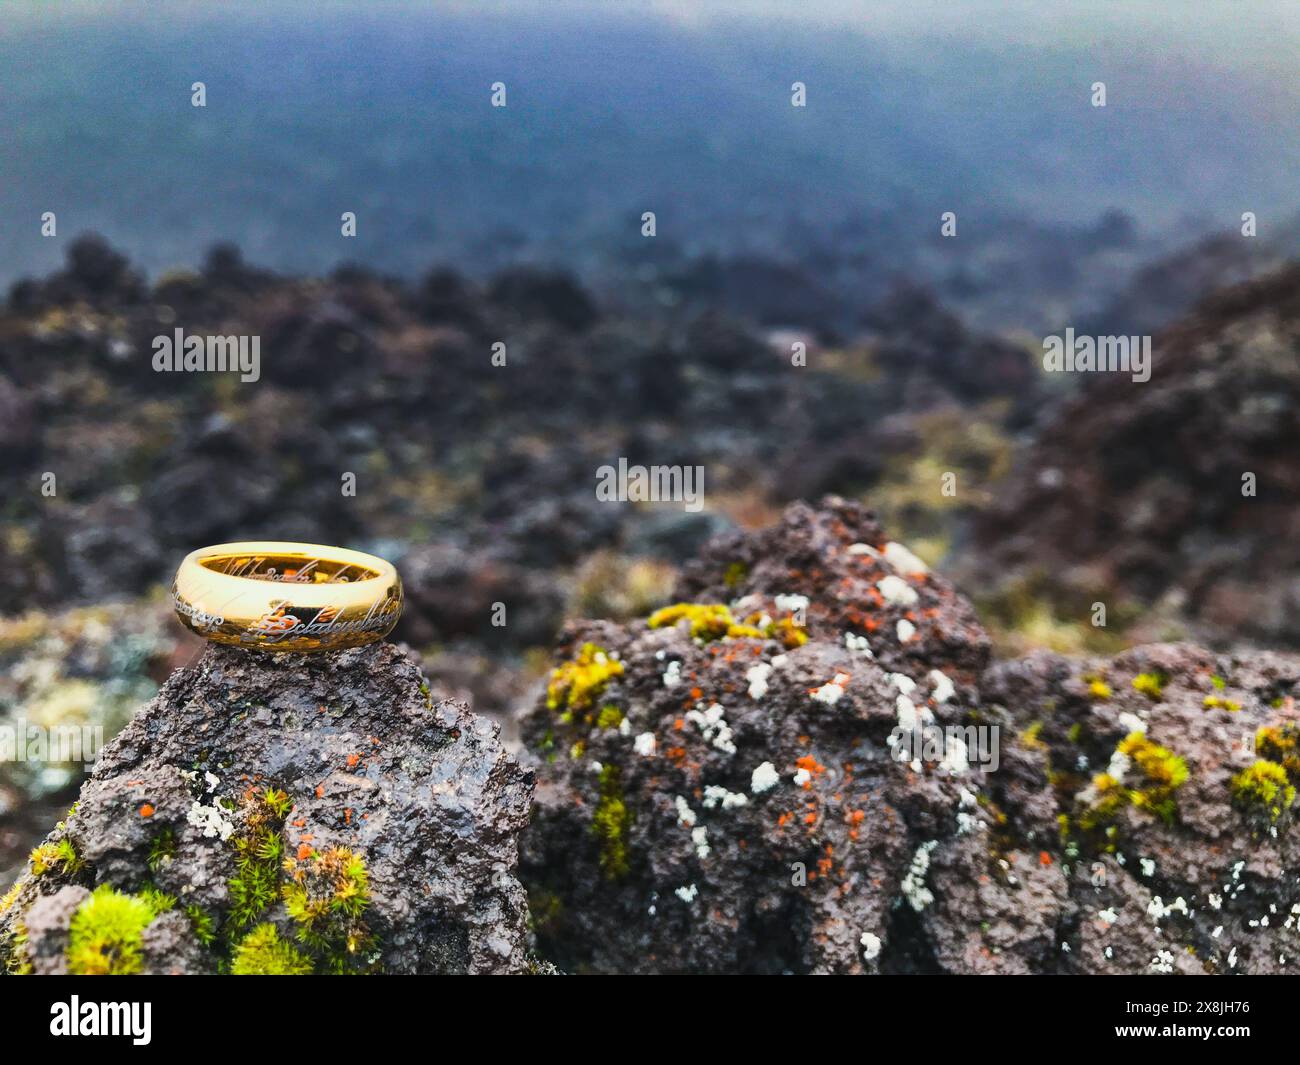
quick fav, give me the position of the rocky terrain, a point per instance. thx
(807, 762)
(285, 815)
(729, 785)
(1176, 502)
(477, 479)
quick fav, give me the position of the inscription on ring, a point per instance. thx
(201, 618)
(278, 624)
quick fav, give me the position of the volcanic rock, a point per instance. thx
(286, 814)
(719, 790)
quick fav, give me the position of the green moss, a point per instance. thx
(162, 849)
(61, 855)
(259, 849)
(1281, 744)
(609, 823)
(575, 685)
(1264, 787)
(105, 934)
(327, 896)
(263, 953)
(205, 929)
(547, 746)
(1152, 685)
(157, 901)
(544, 908)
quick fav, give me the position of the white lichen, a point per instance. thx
(713, 727)
(210, 820)
(942, 687)
(715, 795)
(858, 645)
(673, 674)
(902, 560)
(897, 592)
(764, 778)
(870, 946)
(914, 889)
(700, 837)
(791, 603)
(830, 692)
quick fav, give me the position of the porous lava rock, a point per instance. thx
(725, 786)
(285, 814)
(718, 786)
(1168, 775)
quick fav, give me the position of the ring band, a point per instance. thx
(287, 597)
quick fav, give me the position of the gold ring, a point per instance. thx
(287, 597)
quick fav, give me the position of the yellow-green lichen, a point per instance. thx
(1217, 702)
(610, 716)
(609, 823)
(576, 684)
(1152, 685)
(714, 621)
(1264, 787)
(1163, 773)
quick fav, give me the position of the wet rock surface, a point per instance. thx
(304, 813)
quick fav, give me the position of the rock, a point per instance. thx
(46, 928)
(729, 800)
(725, 786)
(1180, 492)
(1194, 877)
(289, 814)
